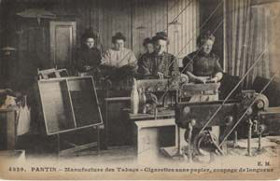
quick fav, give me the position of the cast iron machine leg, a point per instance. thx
(261, 129)
(190, 129)
(179, 154)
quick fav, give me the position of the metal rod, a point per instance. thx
(58, 145)
(190, 139)
(98, 140)
(249, 137)
(260, 142)
(235, 139)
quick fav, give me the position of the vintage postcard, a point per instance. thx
(139, 89)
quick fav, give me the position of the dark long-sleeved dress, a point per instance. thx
(201, 64)
(87, 57)
(151, 64)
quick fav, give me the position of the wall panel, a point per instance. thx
(153, 16)
(115, 16)
(183, 19)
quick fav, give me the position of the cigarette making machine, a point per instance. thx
(247, 114)
(249, 110)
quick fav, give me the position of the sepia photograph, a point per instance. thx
(139, 89)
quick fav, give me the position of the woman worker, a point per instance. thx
(203, 65)
(159, 64)
(88, 56)
(119, 61)
(145, 62)
(119, 56)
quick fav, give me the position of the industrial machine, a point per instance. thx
(246, 114)
(167, 92)
(198, 118)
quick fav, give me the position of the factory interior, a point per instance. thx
(139, 80)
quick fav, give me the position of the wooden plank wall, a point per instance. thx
(211, 17)
(153, 16)
(183, 35)
(115, 16)
(149, 17)
(138, 19)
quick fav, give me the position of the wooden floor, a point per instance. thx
(128, 154)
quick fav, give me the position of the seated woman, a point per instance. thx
(203, 65)
(159, 64)
(119, 60)
(88, 56)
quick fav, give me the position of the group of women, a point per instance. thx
(200, 66)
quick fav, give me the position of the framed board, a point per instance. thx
(69, 103)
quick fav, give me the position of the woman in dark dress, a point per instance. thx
(88, 56)
(160, 64)
(145, 61)
(203, 65)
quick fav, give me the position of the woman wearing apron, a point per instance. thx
(203, 66)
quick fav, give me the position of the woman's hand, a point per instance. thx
(87, 67)
(160, 75)
(214, 79)
(200, 80)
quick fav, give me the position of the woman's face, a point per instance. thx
(160, 46)
(119, 44)
(207, 46)
(89, 42)
(149, 47)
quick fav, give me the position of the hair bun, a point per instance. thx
(89, 33)
(118, 36)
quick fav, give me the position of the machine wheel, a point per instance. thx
(204, 143)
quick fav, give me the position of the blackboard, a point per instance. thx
(69, 103)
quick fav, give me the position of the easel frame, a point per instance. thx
(58, 133)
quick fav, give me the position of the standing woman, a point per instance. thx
(88, 56)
